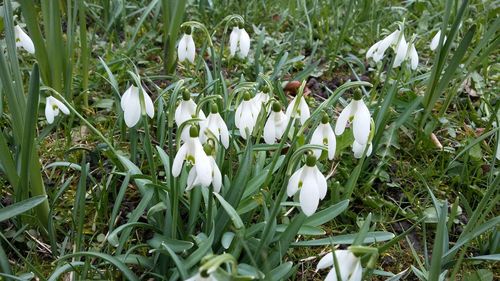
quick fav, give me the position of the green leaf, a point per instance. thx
(371, 237)
(21, 207)
(328, 214)
(176, 245)
(238, 223)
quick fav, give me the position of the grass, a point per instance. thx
(432, 177)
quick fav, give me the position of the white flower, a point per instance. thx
(401, 49)
(358, 149)
(192, 151)
(360, 123)
(349, 266)
(239, 41)
(324, 135)
(186, 48)
(246, 115)
(413, 56)
(302, 111)
(23, 40)
(435, 41)
(216, 125)
(276, 124)
(198, 277)
(378, 49)
(261, 98)
(132, 107)
(185, 111)
(216, 177)
(52, 107)
(312, 185)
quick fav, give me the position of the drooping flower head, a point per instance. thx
(52, 108)
(324, 135)
(239, 42)
(185, 111)
(186, 48)
(356, 111)
(246, 115)
(276, 124)
(215, 125)
(302, 112)
(134, 103)
(348, 264)
(192, 151)
(23, 40)
(216, 178)
(403, 50)
(312, 185)
(435, 41)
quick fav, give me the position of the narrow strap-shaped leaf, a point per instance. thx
(20, 207)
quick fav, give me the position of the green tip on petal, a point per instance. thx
(247, 96)
(186, 95)
(193, 132)
(311, 160)
(276, 106)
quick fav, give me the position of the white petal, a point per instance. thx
(23, 40)
(413, 57)
(293, 182)
(290, 107)
(332, 276)
(357, 273)
(384, 44)
(217, 177)
(237, 115)
(125, 97)
(244, 43)
(49, 112)
(372, 50)
(179, 160)
(270, 130)
(190, 48)
(401, 50)
(60, 105)
(321, 182)
(435, 41)
(132, 110)
(150, 109)
(182, 49)
(332, 141)
(358, 149)
(343, 118)
(325, 261)
(191, 180)
(184, 111)
(202, 165)
(309, 196)
(369, 151)
(304, 111)
(224, 133)
(361, 123)
(233, 41)
(317, 139)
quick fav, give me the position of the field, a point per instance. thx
(249, 140)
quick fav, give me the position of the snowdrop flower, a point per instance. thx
(23, 40)
(193, 151)
(246, 115)
(186, 48)
(401, 49)
(302, 111)
(361, 119)
(216, 125)
(216, 177)
(358, 149)
(377, 51)
(185, 111)
(435, 41)
(52, 108)
(324, 135)
(413, 56)
(239, 41)
(276, 124)
(133, 107)
(349, 266)
(312, 185)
